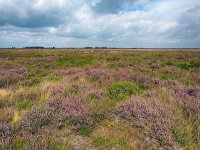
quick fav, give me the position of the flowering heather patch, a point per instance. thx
(97, 73)
(36, 119)
(73, 71)
(136, 109)
(147, 116)
(54, 104)
(190, 99)
(5, 134)
(142, 99)
(60, 72)
(1, 67)
(75, 112)
(163, 134)
(122, 75)
(8, 77)
(146, 82)
(168, 69)
(55, 89)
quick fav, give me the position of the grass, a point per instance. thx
(107, 99)
(109, 143)
(122, 90)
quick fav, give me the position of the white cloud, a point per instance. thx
(167, 26)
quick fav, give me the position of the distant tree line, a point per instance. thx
(38, 47)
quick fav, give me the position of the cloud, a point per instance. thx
(37, 13)
(168, 26)
(114, 23)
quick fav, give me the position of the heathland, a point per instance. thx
(102, 99)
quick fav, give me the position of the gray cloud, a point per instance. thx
(37, 13)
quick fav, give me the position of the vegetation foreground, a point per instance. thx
(80, 99)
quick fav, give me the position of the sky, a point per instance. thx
(100, 23)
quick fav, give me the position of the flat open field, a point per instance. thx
(104, 99)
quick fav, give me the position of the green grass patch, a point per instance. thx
(54, 78)
(112, 59)
(93, 97)
(57, 146)
(39, 55)
(110, 143)
(194, 64)
(184, 133)
(72, 62)
(122, 90)
(163, 77)
(184, 66)
(25, 104)
(86, 130)
(17, 144)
